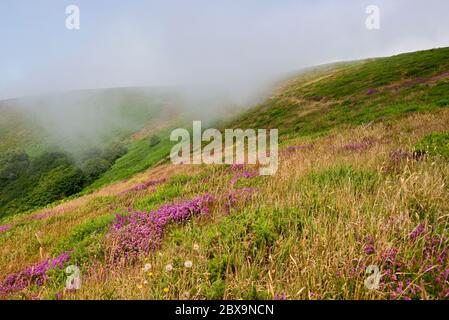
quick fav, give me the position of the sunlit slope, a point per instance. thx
(354, 93)
(363, 180)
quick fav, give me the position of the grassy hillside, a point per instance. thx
(356, 93)
(363, 180)
(141, 155)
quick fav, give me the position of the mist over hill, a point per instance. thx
(362, 179)
(353, 95)
(90, 138)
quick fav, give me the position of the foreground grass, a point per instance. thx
(300, 232)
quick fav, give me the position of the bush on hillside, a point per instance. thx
(94, 167)
(154, 140)
(28, 183)
(56, 184)
(113, 152)
(11, 166)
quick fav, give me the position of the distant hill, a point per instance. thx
(80, 120)
(88, 131)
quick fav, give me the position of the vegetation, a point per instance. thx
(363, 180)
(140, 156)
(434, 144)
(379, 90)
(27, 148)
(29, 183)
(154, 140)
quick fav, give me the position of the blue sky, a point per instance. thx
(232, 44)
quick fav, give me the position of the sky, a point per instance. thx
(236, 46)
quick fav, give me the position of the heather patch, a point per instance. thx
(398, 158)
(34, 276)
(233, 197)
(417, 270)
(362, 145)
(5, 228)
(142, 232)
(244, 175)
(144, 186)
(297, 148)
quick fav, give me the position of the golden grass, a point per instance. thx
(310, 263)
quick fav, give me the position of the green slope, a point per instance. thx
(321, 99)
(308, 232)
(355, 93)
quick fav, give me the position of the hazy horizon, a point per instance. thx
(235, 48)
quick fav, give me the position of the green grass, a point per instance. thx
(360, 77)
(85, 240)
(141, 155)
(164, 194)
(302, 230)
(316, 102)
(434, 144)
(342, 98)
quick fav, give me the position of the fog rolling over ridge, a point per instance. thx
(217, 55)
(76, 121)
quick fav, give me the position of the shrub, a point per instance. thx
(216, 268)
(154, 140)
(113, 152)
(30, 183)
(12, 165)
(57, 184)
(216, 290)
(94, 167)
(91, 153)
